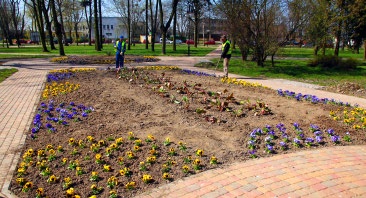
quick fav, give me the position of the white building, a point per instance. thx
(112, 28)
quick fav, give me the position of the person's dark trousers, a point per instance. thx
(119, 61)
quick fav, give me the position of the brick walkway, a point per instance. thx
(328, 172)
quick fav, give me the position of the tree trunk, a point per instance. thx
(129, 25)
(48, 27)
(76, 33)
(62, 26)
(364, 51)
(153, 24)
(174, 31)
(100, 25)
(316, 50)
(96, 26)
(57, 28)
(90, 22)
(146, 24)
(40, 25)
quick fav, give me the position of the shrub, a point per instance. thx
(334, 62)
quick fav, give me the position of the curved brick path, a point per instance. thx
(328, 172)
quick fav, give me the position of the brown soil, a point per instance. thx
(152, 103)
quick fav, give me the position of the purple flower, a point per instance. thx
(33, 136)
(300, 135)
(319, 139)
(330, 132)
(43, 105)
(84, 114)
(296, 125)
(35, 130)
(252, 153)
(335, 138)
(280, 92)
(296, 142)
(268, 139)
(70, 116)
(269, 148)
(313, 128)
(48, 125)
(318, 133)
(283, 145)
(298, 96)
(72, 103)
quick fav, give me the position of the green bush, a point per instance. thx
(333, 62)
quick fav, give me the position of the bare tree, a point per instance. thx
(85, 4)
(48, 23)
(164, 27)
(57, 26)
(96, 26)
(5, 18)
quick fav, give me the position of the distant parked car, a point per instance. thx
(178, 41)
(166, 40)
(210, 42)
(190, 42)
(32, 42)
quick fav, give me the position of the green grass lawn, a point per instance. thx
(291, 65)
(32, 51)
(297, 70)
(5, 73)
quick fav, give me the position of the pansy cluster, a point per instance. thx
(197, 73)
(241, 82)
(59, 115)
(55, 89)
(355, 117)
(127, 163)
(160, 67)
(267, 139)
(311, 98)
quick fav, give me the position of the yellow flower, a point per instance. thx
(52, 152)
(67, 179)
(113, 146)
(90, 138)
(130, 154)
(199, 153)
(70, 191)
(59, 148)
(119, 141)
(98, 156)
(138, 142)
(101, 142)
(71, 141)
(40, 153)
(147, 178)
(136, 148)
(165, 175)
(49, 146)
(20, 181)
(52, 179)
(93, 187)
(185, 168)
(130, 185)
(107, 168)
(40, 192)
(197, 162)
